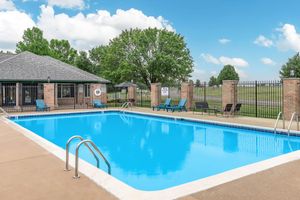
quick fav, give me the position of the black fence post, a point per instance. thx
(204, 91)
(255, 98)
(141, 98)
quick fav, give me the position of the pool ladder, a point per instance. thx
(291, 122)
(4, 112)
(279, 116)
(87, 143)
(127, 104)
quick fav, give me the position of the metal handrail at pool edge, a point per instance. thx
(67, 151)
(291, 121)
(97, 150)
(280, 114)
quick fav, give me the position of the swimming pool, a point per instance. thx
(153, 153)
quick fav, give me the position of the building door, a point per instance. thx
(8, 91)
(29, 94)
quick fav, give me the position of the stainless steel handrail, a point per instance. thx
(4, 112)
(280, 114)
(291, 121)
(127, 105)
(97, 150)
(67, 151)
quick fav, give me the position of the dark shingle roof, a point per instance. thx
(4, 56)
(27, 66)
(125, 85)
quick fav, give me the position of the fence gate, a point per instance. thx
(210, 94)
(260, 98)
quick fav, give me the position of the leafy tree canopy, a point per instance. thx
(227, 73)
(62, 50)
(213, 81)
(82, 61)
(198, 83)
(34, 42)
(293, 64)
(146, 56)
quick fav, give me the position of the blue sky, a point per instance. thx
(217, 32)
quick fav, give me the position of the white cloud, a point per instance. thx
(67, 3)
(242, 73)
(198, 74)
(237, 62)
(224, 40)
(87, 31)
(7, 5)
(223, 60)
(214, 73)
(83, 31)
(289, 38)
(12, 26)
(263, 41)
(210, 59)
(267, 61)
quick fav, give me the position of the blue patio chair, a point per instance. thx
(41, 106)
(163, 106)
(98, 104)
(180, 107)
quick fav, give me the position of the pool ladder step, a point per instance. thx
(88, 144)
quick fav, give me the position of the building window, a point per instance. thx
(87, 90)
(65, 91)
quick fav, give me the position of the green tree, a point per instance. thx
(82, 61)
(213, 81)
(227, 73)
(34, 42)
(293, 64)
(96, 55)
(147, 56)
(198, 83)
(62, 50)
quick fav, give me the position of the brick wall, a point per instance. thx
(229, 92)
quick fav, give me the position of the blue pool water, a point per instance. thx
(153, 153)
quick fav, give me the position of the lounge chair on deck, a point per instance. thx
(237, 108)
(98, 104)
(227, 110)
(41, 106)
(180, 107)
(203, 107)
(163, 106)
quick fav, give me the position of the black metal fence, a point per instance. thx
(210, 94)
(260, 98)
(143, 98)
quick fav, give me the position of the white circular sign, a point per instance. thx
(97, 92)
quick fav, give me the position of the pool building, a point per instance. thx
(25, 77)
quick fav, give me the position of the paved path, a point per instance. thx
(28, 172)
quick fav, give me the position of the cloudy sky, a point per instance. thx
(255, 36)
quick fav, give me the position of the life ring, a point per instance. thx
(97, 92)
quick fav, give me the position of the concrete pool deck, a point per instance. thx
(30, 172)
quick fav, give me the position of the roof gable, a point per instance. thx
(27, 66)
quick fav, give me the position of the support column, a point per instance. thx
(49, 95)
(103, 96)
(187, 93)
(132, 93)
(291, 97)
(80, 94)
(229, 92)
(18, 91)
(155, 94)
